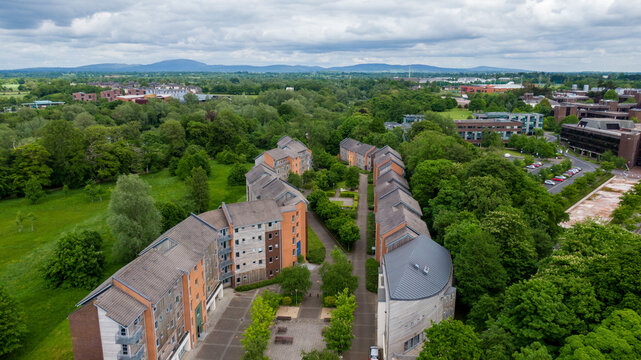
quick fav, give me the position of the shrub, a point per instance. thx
(371, 274)
(257, 285)
(316, 256)
(329, 301)
(77, 260)
(286, 300)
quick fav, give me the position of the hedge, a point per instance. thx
(257, 285)
(371, 275)
(371, 232)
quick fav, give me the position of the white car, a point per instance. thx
(548, 182)
(531, 167)
(562, 177)
(373, 353)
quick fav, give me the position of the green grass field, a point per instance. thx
(46, 309)
(458, 114)
(315, 247)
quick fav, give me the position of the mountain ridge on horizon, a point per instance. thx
(187, 65)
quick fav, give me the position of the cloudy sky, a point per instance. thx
(548, 35)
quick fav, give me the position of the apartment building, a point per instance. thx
(603, 109)
(289, 156)
(111, 95)
(415, 277)
(472, 130)
(529, 121)
(355, 153)
(80, 96)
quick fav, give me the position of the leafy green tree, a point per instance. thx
(349, 234)
(339, 335)
(198, 189)
(12, 324)
(194, 157)
(534, 311)
(94, 191)
(325, 354)
(32, 219)
(76, 261)
(173, 134)
(67, 145)
(483, 194)
(478, 268)
(427, 176)
(30, 162)
(295, 281)
(491, 139)
(618, 337)
(337, 275)
(432, 145)
(486, 307)
(456, 234)
(611, 95)
(294, 179)
(132, 216)
(237, 175)
(171, 214)
(452, 340)
(33, 190)
(352, 176)
(20, 218)
(534, 351)
(256, 335)
(476, 104)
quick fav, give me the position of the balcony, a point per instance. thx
(130, 339)
(225, 251)
(137, 356)
(224, 238)
(228, 275)
(225, 263)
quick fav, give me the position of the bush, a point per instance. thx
(12, 324)
(257, 285)
(329, 301)
(371, 232)
(371, 275)
(237, 175)
(33, 190)
(286, 300)
(77, 260)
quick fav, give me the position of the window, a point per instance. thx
(260, 261)
(293, 229)
(260, 237)
(236, 230)
(123, 331)
(411, 343)
(254, 261)
(276, 246)
(276, 257)
(271, 248)
(244, 264)
(237, 280)
(294, 252)
(271, 260)
(270, 236)
(269, 224)
(237, 254)
(260, 250)
(237, 267)
(260, 226)
(245, 277)
(196, 282)
(177, 299)
(158, 344)
(236, 242)
(293, 218)
(271, 272)
(276, 270)
(172, 324)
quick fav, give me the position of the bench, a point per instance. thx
(284, 340)
(283, 318)
(281, 330)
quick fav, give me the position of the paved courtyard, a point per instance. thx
(307, 336)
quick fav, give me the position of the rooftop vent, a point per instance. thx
(426, 270)
(416, 266)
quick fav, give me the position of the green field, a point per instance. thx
(458, 114)
(46, 309)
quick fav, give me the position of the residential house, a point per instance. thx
(355, 153)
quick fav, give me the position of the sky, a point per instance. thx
(544, 35)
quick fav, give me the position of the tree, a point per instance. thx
(132, 216)
(33, 190)
(237, 175)
(12, 325)
(295, 282)
(325, 354)
(611, 95)
(483, 194)
(67, 145)
(94, 191)
(32, 219)
(427, 176)
(30, 162)
(491, 139)
(173, 134)
(294, 179)
(476, 104)
(352, 176)
(76, 261)
(450, 340)
(338, 335)
(198, 189)
(349, 234)
(194, 157)
(534, 351)
(337, 275)
(256, 335)
(20, 217)
(478, 268)
(618, 337)
(171, 214)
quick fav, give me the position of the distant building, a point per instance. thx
(355, 153)
(110, 95)
(142, 99)
(529, 121)
(472, 130)
(290, 156)
(489, 89)
(604, 109)
(80, 96)
(41, 104)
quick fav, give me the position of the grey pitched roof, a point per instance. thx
(215, 218)
(150, 275)
(192, 233)
(277, 153)
(356, 146)
(254, 212)
(119, 306)
(391, 218)
(392, 176)
(405, 281)
(258, 171)
(399, 197)
(387, 150)
(386, 188)
(383, 160)
(289, 144)
(284, 140)
(284, 193)
(348, 143)
(404, 233)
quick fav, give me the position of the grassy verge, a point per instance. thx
(46, 309)
(257, 285)
(370, 196)
(576, 191)
(371, 275)
(315, 247)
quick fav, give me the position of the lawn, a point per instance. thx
(458, 114)
(46, 309)
(315, 247)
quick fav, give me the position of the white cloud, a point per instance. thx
(549, 35)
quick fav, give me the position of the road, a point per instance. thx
(365, 316)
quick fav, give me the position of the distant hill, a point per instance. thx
(186, 65)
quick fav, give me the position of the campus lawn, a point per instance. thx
(22, 254)
(315, 247)
(458, 114)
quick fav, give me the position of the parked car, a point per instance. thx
(549, 182)
(538, 163)
(556, 178)
(373, 353)
(535, 165)
(562, 177)
(568, 174)
(531, 167)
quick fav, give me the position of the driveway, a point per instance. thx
(365, 316)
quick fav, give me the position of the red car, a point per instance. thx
(557, 179)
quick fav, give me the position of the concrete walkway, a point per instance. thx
(365, 316)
